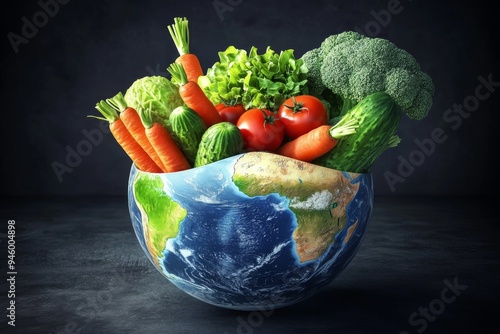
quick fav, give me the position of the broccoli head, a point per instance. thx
(354, 66)
(314, 83)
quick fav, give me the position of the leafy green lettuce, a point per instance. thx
(256, 80)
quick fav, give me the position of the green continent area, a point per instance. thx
(161, 216)
(318, 196)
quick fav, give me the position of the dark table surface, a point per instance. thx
(427, 265)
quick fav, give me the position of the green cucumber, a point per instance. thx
(187, 129)
(221, 140)
(378, 118)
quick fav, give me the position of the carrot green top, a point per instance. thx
(180, 34)
(118, 102)
(179, 76)
(108, 111)
(146, 117)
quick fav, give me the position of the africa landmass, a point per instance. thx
(318, 196)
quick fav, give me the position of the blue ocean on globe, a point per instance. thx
(236, 251)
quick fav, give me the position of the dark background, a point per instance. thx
(90, 50)
(76, 243)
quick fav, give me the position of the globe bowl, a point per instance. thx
(251, 232)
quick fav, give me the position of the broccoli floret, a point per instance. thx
(312, 61)
(344, 38)
(354, 66)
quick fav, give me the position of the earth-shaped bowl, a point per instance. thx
(251, 232)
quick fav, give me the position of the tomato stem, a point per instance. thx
(268, 119)
(297, 106)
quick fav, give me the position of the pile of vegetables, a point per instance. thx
(337, 106)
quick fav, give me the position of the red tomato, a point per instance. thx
(230, 113)
(261, 130)
(300, 114)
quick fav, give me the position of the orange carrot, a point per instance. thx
(170, 154)
(122, 135)
(132, 121)
(193, 96)
(180, 34)
(318, 141)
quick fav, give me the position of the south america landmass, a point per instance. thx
(161, 215)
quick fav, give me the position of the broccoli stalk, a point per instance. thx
(349, 66)
(347, 105)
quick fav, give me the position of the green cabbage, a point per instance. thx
(256, 80)
(157, 93)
